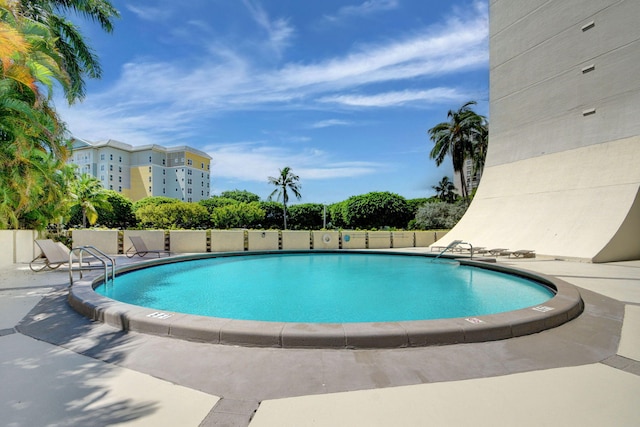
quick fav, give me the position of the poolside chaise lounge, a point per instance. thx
(54, 255)
(140, 248)
(449, 247)
(524, 253)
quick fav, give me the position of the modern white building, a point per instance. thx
(561, 175)
(181, 173)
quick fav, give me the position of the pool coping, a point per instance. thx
(563, 307)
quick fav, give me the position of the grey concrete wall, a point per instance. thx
(561, 175)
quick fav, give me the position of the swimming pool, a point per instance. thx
(420, 329)
(326, 288)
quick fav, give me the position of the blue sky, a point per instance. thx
(343, 92)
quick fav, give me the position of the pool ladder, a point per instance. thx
(453, 245)
(96, 254)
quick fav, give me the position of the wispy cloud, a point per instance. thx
(166, 102)
(367, 8)
(396, 98)
(278, 30)
(330, 123)
(149, 13)
(229, 81)
(253, 161)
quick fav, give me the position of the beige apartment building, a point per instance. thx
(181, 173)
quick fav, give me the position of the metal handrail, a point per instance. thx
(97, 254)
(454, 244)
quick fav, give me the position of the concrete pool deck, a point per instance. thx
(59, 368)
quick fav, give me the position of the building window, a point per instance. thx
(119, 179)
(111, 187)
(202, 184)
(101, 167)
(189, 162)
(119, 189)
(189, 191)
(149, 189)
(149, 159)
(101, 177)
(120, 159)
(101, 156)
(163, 162)
(111, 167)
(110, 156)
(149, 179)
(149, 169)
(163, 191)
(110, 177)
(163, 181)
(164, 171)
(202, 175)
(202, 193)
(189, 199)
(208, 167)
(189, 172)
(120, 169)
(189, 181)
(201, 165)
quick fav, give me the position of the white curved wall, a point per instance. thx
(562, 175)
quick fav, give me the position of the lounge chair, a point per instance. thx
(450, 247)
(498, 251)
(54, 255)
(524, 253)
(140, 248)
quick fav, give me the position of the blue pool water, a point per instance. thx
(325, 287)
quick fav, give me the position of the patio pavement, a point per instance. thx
(60, 369)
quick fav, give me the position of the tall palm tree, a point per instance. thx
(38, 48)
(287, 180)
(445, 190)
(88, 194)
(456, 138)
(78, 59)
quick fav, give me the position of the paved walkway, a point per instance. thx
(58, 368)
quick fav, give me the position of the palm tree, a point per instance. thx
(445, 190)
(39, 47)
(456, 138)
(88, 194)
(78, 59)
(287, 180)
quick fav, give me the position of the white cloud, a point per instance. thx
(279, 31)
(366, 8)
(388, 99)
(160, 101)
(230, 81)
(157, 13)
(330, 123)
(255, 161)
